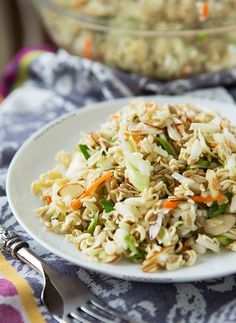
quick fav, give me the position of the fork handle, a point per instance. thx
(18, 248)
(11, 242)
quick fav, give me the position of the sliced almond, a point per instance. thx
(173, 133)
(219, 225)
(73, 190)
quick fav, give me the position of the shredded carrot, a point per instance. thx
(78, 4)
(156, 254)
(138, 138)
(87, 47)
(171, 204)
(207, 199)
(77, 202)
(135, 138)
(48, 199)
(190, 120)
(115, 116)
(147, 266)
(214, 144)
(127, 134)
(205, 10)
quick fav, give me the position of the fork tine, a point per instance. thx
(96, 315)
(79, 318)
(107, 309)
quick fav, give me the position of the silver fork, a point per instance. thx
(66, 297)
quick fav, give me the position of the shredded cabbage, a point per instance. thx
(138, 170)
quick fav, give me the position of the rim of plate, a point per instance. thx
(166, 276)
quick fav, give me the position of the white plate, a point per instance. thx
(37, 156)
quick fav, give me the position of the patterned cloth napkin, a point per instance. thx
(58, 83)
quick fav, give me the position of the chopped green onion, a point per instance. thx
(84, 150)
(138, 254)
(220, 210)
(203, 163)
(107, 205)
(216, 210)
(229, 196)
(213, 208)
(165, 181)
(132, 19)
(93, 224)
(165, 145)
(224, 241)
(202, 37)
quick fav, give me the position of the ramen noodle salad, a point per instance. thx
(155, 184)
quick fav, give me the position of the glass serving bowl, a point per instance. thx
(162, 39)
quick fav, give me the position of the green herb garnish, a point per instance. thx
(203, 163)
(216, 209)
(224, 241)
(202, 37)
(165, 181)
(229, 196)
(84, 150)
(93, 224)
(166, 146)
(138, 254)
(107, 205)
